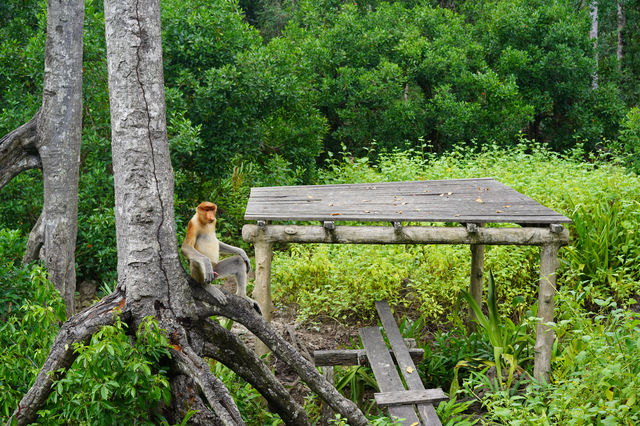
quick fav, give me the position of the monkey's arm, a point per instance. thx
(189, 251)
(226, 248)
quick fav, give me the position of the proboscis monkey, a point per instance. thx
(202, 248)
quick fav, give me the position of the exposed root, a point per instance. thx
(227, 348)
(79, 328)
(185, 398)
(215, 392)
(240, 310)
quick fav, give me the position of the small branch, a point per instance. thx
(227, 348)
(19, 150)
(79, 328)
(240, 310)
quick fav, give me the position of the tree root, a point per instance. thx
(185, 398)
(78, 329)
(214, 391)
(224, 346)
(240, 310)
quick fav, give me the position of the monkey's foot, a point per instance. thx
(217, 294)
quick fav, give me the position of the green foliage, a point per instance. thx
(356, 379)
(511, 344)
(595, 376)
(114, 381)
(30, 314)
(629, 139)
(240, 93)
(606, 254)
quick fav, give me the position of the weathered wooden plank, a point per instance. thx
(405, 364)
(324, 358)
(490, 182)
(406, 235)
(430, 396)
(385, 372)
(409, 217)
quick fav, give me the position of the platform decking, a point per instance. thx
(482, 200)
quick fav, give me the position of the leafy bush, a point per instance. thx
(32, 312)
(595, 376)
(629, 139)
(113, 381)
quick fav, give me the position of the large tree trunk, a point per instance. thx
(151, 280)
(51, 140)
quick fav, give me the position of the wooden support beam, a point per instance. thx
(328, 415)
(355, 357)
(545, 335)
(477, 276)
(428, 396)
(262, 287)
(406, 235)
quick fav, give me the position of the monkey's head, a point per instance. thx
(207, 212)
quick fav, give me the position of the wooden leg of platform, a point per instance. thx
(475, 285)
(544, 335)
(262, 287)
(328, 415)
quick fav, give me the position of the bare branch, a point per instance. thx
(227, 348)
(79, 328)
(19, 150)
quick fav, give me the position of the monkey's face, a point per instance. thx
(207, 212)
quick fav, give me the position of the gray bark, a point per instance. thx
(622, 22)
(51, 141)
(149, 270)
(593, 35)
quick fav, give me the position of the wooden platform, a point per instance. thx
(482, 200)
(412, 208)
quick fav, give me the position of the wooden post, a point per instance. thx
(262, 287)
(328, 415)
(475, 285)
(544, 335)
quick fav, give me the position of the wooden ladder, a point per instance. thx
(414, 403)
